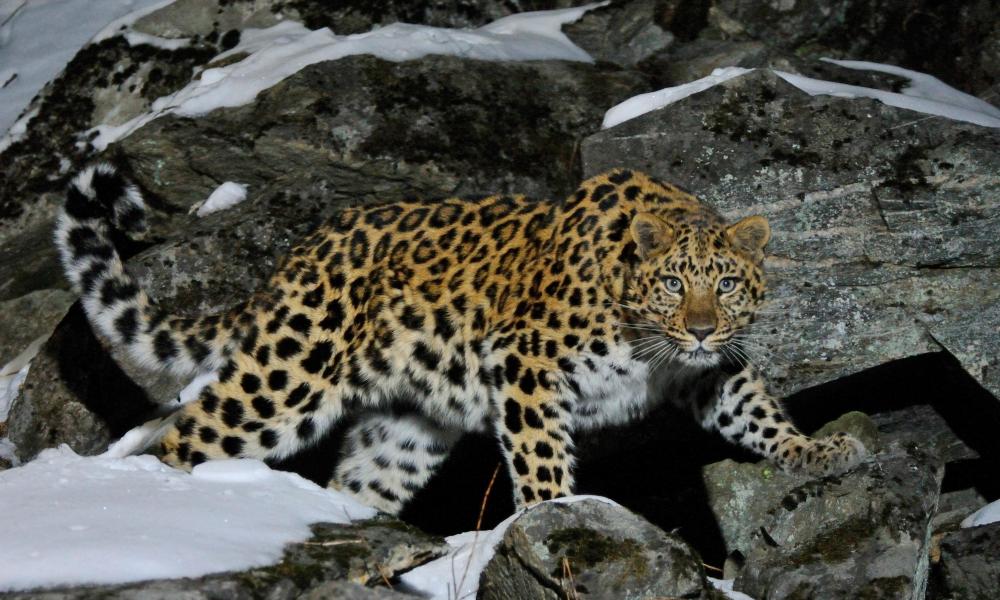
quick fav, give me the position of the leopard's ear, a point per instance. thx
(652, 235)
(750, 235)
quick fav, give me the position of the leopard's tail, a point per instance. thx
(99, 201)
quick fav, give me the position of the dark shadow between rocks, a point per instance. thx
(654, 467)
(92, 376)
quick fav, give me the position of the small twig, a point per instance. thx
(334, 542)
(486, 497)
(570, 584)
(479, 523)
(711, 568)
(381, 571)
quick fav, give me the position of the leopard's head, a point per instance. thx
(698, 283)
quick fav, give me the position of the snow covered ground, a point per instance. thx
(69, 520)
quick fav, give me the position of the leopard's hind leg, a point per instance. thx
(255, 410)
(388, 458)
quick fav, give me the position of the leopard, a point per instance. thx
(532, 321)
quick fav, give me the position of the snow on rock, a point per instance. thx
(225, 196)
(925, 94)
(280, 51)
(69, 520)
(984, 516)
(726, 587)
(12, 375)
(38, 38)
(650, 101)
(456, 575)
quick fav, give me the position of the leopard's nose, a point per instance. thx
(700, 333)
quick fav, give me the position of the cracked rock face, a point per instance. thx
(883, 220)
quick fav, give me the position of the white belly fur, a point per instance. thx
(612, 388)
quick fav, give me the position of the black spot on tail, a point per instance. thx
(81, 207)
(108, 187)
(164, 346)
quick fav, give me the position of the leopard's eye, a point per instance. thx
(674, 285)
(727, 284)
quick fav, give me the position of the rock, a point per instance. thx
(969, 567)
(624, 34)
(337, 562)
(953, 508)
(956, 44)
(28, 318)
(357, 16)
(866, 532)
(75, 394)
(590, 549)
(923, 428)
(883, 220)
(742, 494)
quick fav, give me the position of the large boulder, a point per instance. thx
(883, 220)
(958, 43)
(969, 564)
(590, 549)
(866, 532)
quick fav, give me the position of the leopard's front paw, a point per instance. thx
(832, 455)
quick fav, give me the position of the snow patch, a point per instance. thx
(225, 196)
(284, 49)
(726, 587)
(925, 94)
(650, 101)
(72, 520)
(984, 516)
(135, 38)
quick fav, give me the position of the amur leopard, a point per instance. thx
(531, 320)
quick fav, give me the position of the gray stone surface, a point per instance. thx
(75, 394)
(864, 534)
(743, 494)
(590, 549)
(28, 318)
(957, 42)
(884, 221)
(624, 33)
(337, 562)
(969, 567)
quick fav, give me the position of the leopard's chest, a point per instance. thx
(609, 389)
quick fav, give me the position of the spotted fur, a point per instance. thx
(532, 320)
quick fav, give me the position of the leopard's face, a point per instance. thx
(698, 285)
